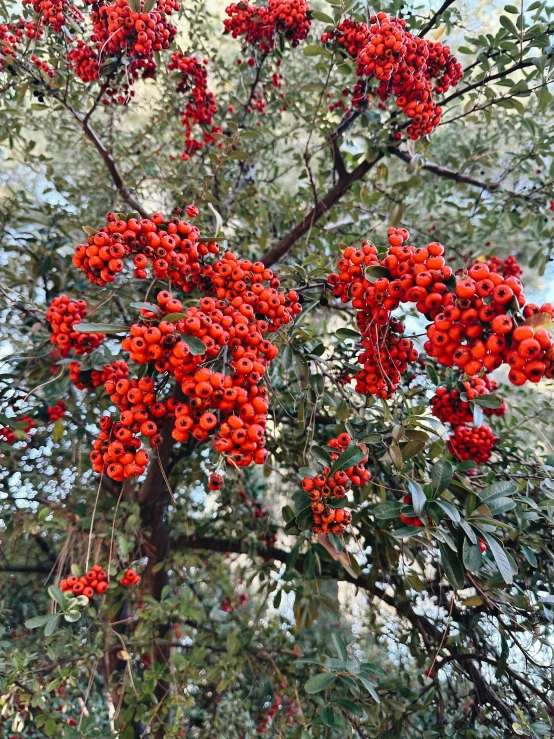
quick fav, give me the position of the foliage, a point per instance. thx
(431, 615)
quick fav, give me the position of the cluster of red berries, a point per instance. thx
(57, 411)
(51, 12)
(117, 450)
(326, 487)
(411, 69)
(9, 435)
(510, 267)
(120, 31)
(63, 314)
(200, 105)
(85, 61)
(11, 35)
(260, 25)
(130, 578)
(448, 406)
(171, 247)
(467, 442)
(95, 581)
(43, 66)
(352, 36)
(85, 379)
(477, 328)
(415, 275)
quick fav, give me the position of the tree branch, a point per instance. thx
(429, 25)
(459, 177)
(279, 250)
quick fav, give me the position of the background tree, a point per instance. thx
(420, 605)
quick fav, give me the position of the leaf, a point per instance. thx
(376, 271)
(89, 230)
(472, 557)
(453, 568)
(390, 509)
(509, 25)
(450, 510)
(173, 317)
(307, 472)
(396, 213)
(150, 307)
(502, 561)
(351, 456)
(441, 475)
(369, 687)
(37, 621)
(99, 328)
(321, 455)
(301, 370)
(72, 615)
(488, 401)
(319, 682)
(396, 456)
(323, 17)
(148, 6)
(57, 431)
(472, 601)
(316, 50)
(58, 595)
(340, 646)
(52, 624)
(309, 565)
(412, 448)
(218, 220)
(477, 416)
(500, 488)
(419, 499)
(196, 346)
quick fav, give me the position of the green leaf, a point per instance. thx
(349, 458)
(196, 346)
(309, 565)
(52, 624)
(500, 488)
(387, 510)
(321, 455)
(37, 621)
(419, 499)
(502, 561)
(477, 416)
(315, 50)
(488, 401)
(396, 456)
(307, 472)
(319, 682)
(58, 595)
(413, 448)
(340, 646)
(100, 328)
(509, 25)
(323, 17)
(173, 317)
(150, 307)
(72, 615)
(369, 687)
(441, 476)
(450, 509)
(453, 568)
(472, 557)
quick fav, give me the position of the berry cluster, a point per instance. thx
(117, 450)
(510, 267)
(467, 442)
(325, 487)
(349, 35)
(85, 379)
(57, 411)
(11, 35)
(476, 328)
(63, 314)
(170, 247)
(448, 406)
(200, 107)
(95, 581)
(408, 68)
(84, 60)
(130, 578)
(9, 435)
(50, 12)
(120, 31)
(260, 25)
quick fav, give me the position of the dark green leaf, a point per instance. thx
(319, 682)
(453, 568)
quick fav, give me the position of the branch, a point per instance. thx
(429, 25)
(282, 248)
(459, 177)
